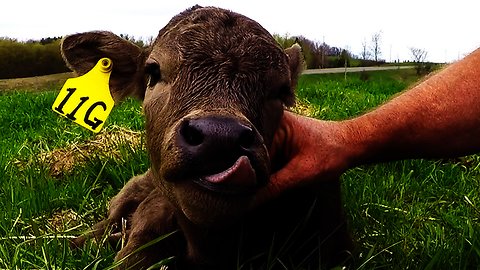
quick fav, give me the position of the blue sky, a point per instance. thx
(447, 30)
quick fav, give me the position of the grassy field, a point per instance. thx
(32, 84)
(57, 179)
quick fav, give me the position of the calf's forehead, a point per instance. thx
(213, 32)
(211, 20)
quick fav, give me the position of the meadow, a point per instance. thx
(57, 179)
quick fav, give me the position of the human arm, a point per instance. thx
(439, 117)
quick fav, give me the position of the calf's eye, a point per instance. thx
(152, 72)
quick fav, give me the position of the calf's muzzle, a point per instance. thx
(215, 135)
(226, 146)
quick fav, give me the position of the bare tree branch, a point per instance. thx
(365, 54)
(419, 55)
(375, 47)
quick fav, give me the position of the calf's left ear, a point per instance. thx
(82, 51)
(295, 62)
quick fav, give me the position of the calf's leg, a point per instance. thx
(123, 205)
(153, 218)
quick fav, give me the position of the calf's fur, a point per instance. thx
(210, 63)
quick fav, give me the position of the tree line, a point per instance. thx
(30, 58)
(321, 55)
(41, 57)
(19, 59)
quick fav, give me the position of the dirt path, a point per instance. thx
(353, 69)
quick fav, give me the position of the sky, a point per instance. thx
(446, 30)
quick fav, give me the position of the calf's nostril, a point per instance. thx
(191, 134)
(246, 138)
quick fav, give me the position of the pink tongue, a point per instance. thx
(240, 174)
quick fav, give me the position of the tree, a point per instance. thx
(149, 41)
(419, 56)
(345, 57)
(284, 41)
(365, 54)
(375, 46)
(312, 52)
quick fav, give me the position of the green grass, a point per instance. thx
(420, 214)
(39, 212)
(330, 96)
(414, 214)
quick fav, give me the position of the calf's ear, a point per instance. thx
(82, 51)
(296, 63)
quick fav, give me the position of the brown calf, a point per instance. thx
(214, 85)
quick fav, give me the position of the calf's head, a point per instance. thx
(214, 85)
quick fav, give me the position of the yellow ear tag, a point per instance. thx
(86, 100)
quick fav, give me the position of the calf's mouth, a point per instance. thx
(238, 179)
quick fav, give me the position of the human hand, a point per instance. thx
(312, 151)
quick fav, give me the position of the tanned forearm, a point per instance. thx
(439, 117)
